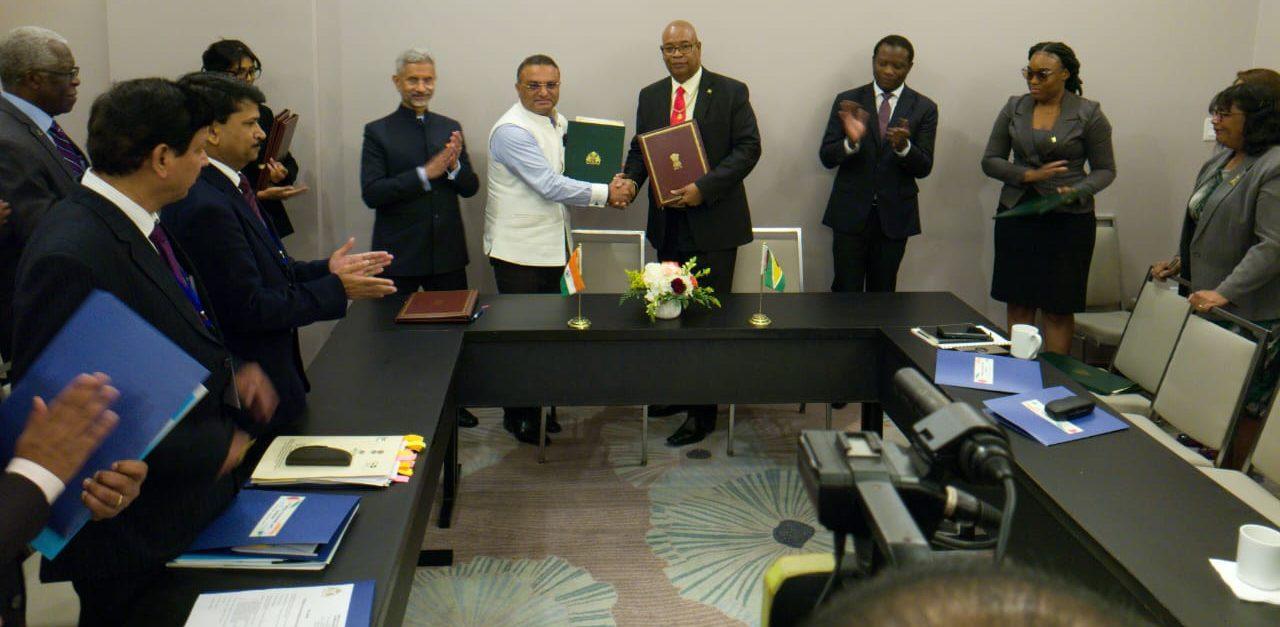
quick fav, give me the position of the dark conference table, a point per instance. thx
(1119, 513)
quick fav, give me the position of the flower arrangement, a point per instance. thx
(669, 287)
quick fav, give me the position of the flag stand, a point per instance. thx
(578, 322)
(758, 319)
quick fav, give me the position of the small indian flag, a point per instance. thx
(770, 272)
(571, 281)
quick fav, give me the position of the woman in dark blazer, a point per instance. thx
(1042, 261)
(1230, 244)
(233, 57)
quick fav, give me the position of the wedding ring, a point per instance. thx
(119, 500)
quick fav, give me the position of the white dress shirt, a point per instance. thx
(690, 94)
(896, 95)
(48, 482)
(143, 219)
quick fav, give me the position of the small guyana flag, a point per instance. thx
(571, 281)
(770, 272)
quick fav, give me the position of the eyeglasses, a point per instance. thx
(671, 49)
(534, 88)
(247, 73)
(70, 74)
(1043, 75)
(1222, 114)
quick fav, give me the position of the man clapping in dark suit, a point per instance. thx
(146, 139)
(412, 171)
(880, 136)
(259, 293)
(711, 219)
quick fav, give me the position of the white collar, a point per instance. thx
(143, 219)
(690, 86)
(897, 93)
(226, 169)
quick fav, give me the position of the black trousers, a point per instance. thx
(513, 278)
(109, 602)
(455, 280)
(866, 261)
(721, 263)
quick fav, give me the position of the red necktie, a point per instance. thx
(677, 107)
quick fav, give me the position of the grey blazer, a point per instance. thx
(1234, 248)
(1083, 134)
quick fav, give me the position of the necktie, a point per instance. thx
(165, 248)
(252, 200)
(677, 107)
(886, 110)
(67, 148)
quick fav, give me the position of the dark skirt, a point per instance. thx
(1043, 261)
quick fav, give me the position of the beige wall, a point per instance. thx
(1152, 63)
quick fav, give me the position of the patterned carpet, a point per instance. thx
(593, 538)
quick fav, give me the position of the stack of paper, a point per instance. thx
(158, 384)
(265, 530)
(374, 461)
(337, 605)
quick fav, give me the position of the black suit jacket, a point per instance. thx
(23, 512)
(732, 141)
(422, 229)
(33, 176)
(875, 172)
(260, 297)
(85, 243)
(273, 208)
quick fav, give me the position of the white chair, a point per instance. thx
(1203, 390)
(606, 255)
(787, 244)
(1103, 321)
(1264, 460)
(1147, 343)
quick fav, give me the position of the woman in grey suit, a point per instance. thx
(1042, 261)
(1230, 244)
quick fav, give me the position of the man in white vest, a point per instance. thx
(526, 219)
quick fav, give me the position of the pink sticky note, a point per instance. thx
(400, 479)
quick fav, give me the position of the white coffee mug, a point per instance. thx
(1258, 557)
(1026, 341)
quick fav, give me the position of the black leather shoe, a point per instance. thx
(553, 425)
(526, 430)
(662, 411)
(466, 419)
(688, 433)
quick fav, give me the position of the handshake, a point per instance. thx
(622, 191)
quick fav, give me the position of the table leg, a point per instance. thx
(644, 435)
(729, 445)
(828, 414)
(542, 436)
(873, 418)
(452, 474)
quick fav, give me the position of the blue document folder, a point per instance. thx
(361, 612)
(158, 384)
(273, 530)
(995, 373)
(1025, 413)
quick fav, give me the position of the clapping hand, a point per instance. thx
(455, 138)
(357, 271)
(898, 134)
(854, 119)
(622, 191)
(257, 396)
(687, 196)
(446, 159)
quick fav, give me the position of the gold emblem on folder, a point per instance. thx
(675, 161)
(593, 158)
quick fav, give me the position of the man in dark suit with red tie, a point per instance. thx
(39, 163)
(880, 136)
(711, 219)
(259, 293)
(146, 139)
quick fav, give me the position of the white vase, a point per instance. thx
(669, 310)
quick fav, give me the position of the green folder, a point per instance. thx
(593, 149)
(1037, 206)
(1093, 378)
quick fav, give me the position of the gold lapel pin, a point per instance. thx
(708, 90)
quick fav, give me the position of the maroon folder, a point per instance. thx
(674, 157)
(447, 306)
(277, 144)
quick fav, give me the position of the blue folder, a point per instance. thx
(315, 519)
(361, 612)
(994, 373)
(158, 384)
(1014, 411)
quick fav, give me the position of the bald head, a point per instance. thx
(681, 50)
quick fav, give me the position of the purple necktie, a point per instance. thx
(161, 240)
(67, 148)
(886, 110)
(252, 199)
